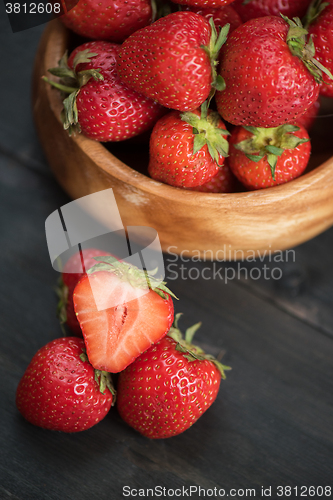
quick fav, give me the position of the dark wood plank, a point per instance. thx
(272, 421)
(273, 408)
(17, 134)
(304, 287)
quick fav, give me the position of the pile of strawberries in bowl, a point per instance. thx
(228, 90)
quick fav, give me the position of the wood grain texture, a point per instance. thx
(275, 218)
(272, 421)
(270, 425)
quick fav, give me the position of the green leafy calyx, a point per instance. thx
(136, 277)
(315, 8)
(102, 378)
(206, 132)
(70, 84)
(213, 49)
(269, 143)
(303, 47)
(190, 351)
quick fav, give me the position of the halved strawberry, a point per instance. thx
(120, 313)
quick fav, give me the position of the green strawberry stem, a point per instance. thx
(102, 378)
(70, 114)
(131, 274)
(70, 85)
(315, 8)
(59, 86)
(207, 132)
(193, 352)
(213, 49)
(305, 51)
(84, 56)
(270, 143)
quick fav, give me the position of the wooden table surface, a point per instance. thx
(272, 423)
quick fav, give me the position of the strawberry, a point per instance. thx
(61, 391)
(222, 182)
(104, 20)
(187, 149)
(169, 386)
(216, 4)
(270, 73)
(173, 60)
(319, 19)
(250, 9)
(72, 272)
(221, 16)
(99, 105)
(121, 311)
(262, 157)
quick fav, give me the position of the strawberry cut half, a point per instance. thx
(115, 336)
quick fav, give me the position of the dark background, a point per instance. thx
(272, 422)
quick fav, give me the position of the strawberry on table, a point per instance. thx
(61, 391)
(250, 9)
(187, 149)
(72, 272)
(111, 20)
(99, 105)
(264, 157)
(173, 60)
(319, 21)
(169, 386)
(121, 311)
(270, 73)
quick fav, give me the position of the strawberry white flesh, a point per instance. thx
(115, 336)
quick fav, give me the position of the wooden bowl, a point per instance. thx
(188, 223)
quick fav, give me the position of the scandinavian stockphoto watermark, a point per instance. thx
(227, 264)
(94, 221)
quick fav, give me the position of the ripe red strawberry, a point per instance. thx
(222, 182)
(72, 272)
(261, 157)
(104, 20)
(99, 104)
(216, 4)
(121, 311)
(221, 16)
(250, 9)
(173, 60)
(268, 79)
(169, 386)
(320, 22)
(188, 149)
(59, 391)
